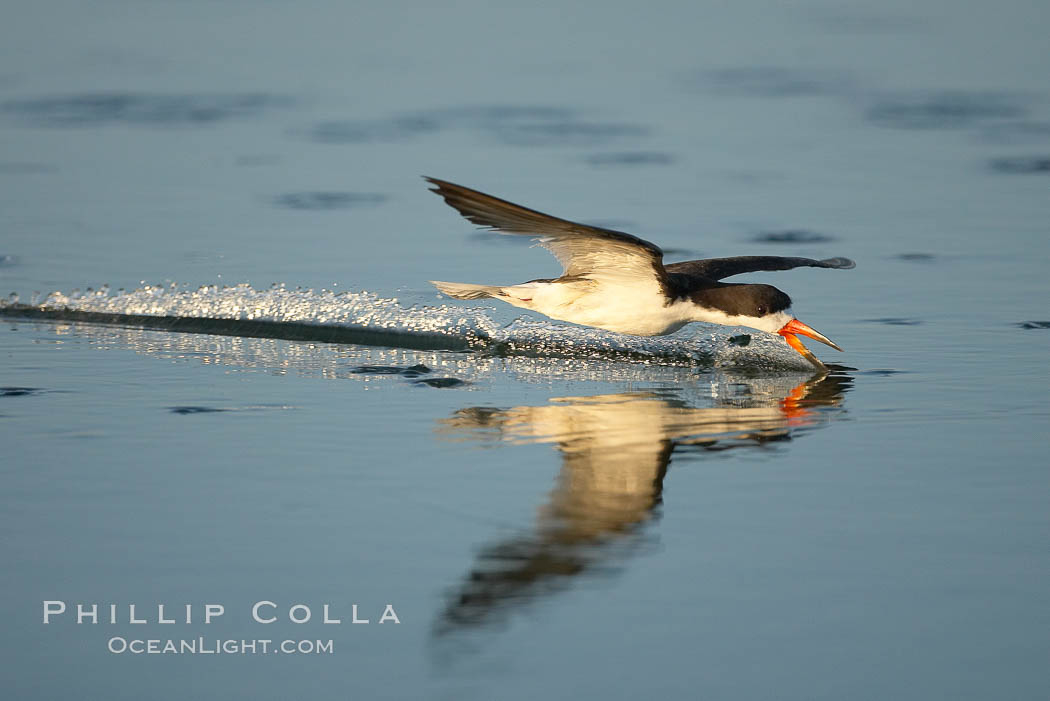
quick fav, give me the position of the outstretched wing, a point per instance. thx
(719, 268)
(582, 250)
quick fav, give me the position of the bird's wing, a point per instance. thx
(719, 268)
(582, 250)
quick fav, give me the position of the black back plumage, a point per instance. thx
(700, 281)
(735, 299)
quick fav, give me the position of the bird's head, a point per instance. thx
(769, 309)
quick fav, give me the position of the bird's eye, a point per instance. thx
(761, 310)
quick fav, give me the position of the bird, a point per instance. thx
(618, 282)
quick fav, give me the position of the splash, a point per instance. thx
(366, 318)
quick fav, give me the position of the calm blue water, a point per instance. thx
(560, 512)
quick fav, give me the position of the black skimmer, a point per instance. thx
(618, 282)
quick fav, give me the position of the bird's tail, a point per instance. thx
(465, 290)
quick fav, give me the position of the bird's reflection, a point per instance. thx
(615, 450)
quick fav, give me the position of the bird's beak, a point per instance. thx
(793, 327)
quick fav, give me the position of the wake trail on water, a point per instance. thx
(366, 318)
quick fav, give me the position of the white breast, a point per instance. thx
(638, 308)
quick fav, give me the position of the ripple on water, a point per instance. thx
(19, 391)
(775, 82)
(945, 110)
(187, 410)
(408, 125)
(441, 382)
(1021, 165)
(393, 129)
(195, 410)
(328, 200)
(579, 134)
(1035, 324)
(410, 371)
(792, 236)
(1016, 132)
(516, 125)
(894, 321)
(152, 109)
(629, 159)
